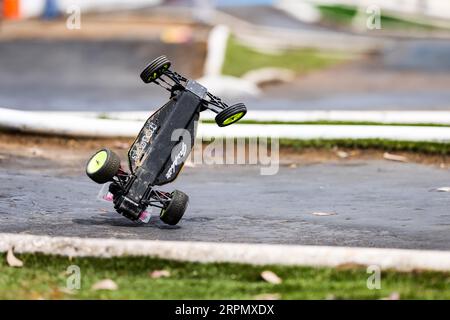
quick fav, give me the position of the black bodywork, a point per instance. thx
(150, 157)
(161, 147)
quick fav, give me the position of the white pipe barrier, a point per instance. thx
(256, 254)
(308, 132)
(69, 125)
(398, 117)
(66, 125)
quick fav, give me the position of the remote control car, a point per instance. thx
(159, 151)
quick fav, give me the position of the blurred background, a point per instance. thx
(274, 54)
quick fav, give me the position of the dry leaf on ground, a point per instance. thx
(106, 284)
(322, 214)
(394, 157)
(342, 154)
(271, 277)
(156, 274)
(12, 260)
(393, 296)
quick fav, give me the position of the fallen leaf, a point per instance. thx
(443, 189)
(271, 277)
(342, 154)
(394, 157)
(106, 284)
(322, 214)
(12, 260)
(156, 274)
(392, 296)
(268, 296)
(293, 165)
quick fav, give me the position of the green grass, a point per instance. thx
(343, 15)
(326, 122)
(434, 148)
(240, 59)
(337, 14)
(45, 277)
(429, 148)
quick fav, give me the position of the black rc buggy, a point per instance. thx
(157, 155)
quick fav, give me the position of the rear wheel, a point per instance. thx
(231, 115)
(155, 69)
(103, 166)
(174, 211)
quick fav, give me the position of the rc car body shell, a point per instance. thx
(162, 146)
(160, 150)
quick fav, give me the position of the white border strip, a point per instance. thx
(66, 124)
(384, 116)
(311, 132)
(256, 254)
(71, 125)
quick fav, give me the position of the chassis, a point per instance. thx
(160, 150)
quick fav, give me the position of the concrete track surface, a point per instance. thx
(373, 204)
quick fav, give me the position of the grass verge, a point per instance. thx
(45, 277)
(420, 147)
(240, 59)
(434, 148)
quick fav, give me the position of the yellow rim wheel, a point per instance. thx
(233, 118)
(97, 162)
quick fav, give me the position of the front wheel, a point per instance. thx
(103, 166)
(155, 69)
(231, 115)
(174, 211)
